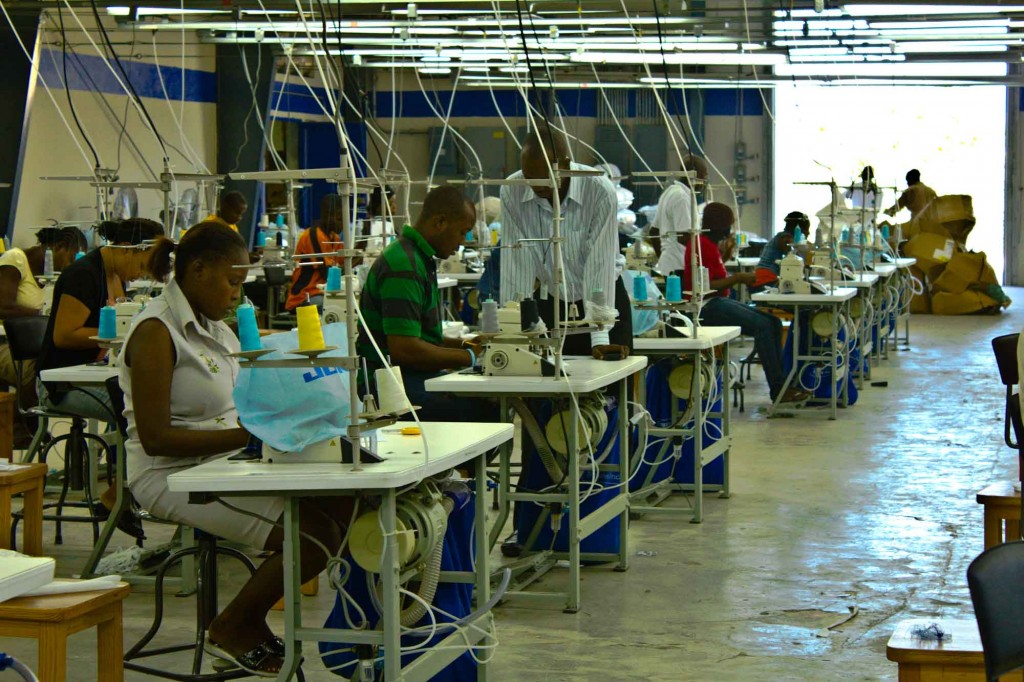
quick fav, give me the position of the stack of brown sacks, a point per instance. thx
(956, 281)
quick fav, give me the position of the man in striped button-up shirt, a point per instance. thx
(589, 229)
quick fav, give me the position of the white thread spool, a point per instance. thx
(390, 390)
(489, 318)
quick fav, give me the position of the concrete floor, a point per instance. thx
(874, 511)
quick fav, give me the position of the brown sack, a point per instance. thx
(924, 246)
(955, 212)
(962, 270)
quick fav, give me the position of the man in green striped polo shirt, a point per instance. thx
(402, 307)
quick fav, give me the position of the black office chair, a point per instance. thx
(1005, 349)
(25, 340)
(997, 592)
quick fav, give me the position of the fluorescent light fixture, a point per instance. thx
(477, 69)
(806, 43)
(933, 47)
(724, 58)
(916, 70)
(816, 51)
(807, 13)
(899, 9)
(119, 11)
(823, 25)
(928, 25)
(435, 58)
(435, 71)
(514, 69)
(872, 49)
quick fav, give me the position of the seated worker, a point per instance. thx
(84, 287)
(232, 209)
(178, 379)
(721, 311)
(402, 308)
(379, 217)
(321, 238)
(767, 270)
(21, 295)
(915, 197)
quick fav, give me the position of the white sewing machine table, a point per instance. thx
(586, 375)
(647, 498)
(836, 300)
(450, 445)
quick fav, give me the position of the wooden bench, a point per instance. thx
(51, 619)
(927, 660)
(27, 480)
(1002, 504)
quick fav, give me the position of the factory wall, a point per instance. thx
(48, 146)
(733, 135)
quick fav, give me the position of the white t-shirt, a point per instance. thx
(30, 295)
(673, 217)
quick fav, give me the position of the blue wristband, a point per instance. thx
(472, 357)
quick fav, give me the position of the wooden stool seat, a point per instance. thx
(927, 660)
(1002, 504)
(51, 619)
(27, 480)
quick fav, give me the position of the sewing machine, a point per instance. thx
(792, 279)
(517, 355)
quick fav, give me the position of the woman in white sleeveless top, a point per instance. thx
(178, 378)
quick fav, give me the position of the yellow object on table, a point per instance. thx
(311, 334)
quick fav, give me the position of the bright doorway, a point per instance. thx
(956, 137)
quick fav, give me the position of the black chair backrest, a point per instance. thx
(25, 336)
(275, 276)
(117, 403)
(997, 591)
(1005, 348)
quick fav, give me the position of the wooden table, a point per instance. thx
(958, 660)
(52, 618)
(1002, 503)
(26, 480)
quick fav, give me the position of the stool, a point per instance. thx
(77, 464)
(1002, 503)
(927, 660)
(52, 618)
(205, 552)
(27, 480)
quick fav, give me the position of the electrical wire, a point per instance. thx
(67, 89)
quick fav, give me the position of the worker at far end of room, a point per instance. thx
(768, 269)
(719, 310)
(322, 238)
(231, 211)
(673, 219)
(402, 308)
(915, 197)
(589, 228)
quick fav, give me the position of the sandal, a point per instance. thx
(253, 662)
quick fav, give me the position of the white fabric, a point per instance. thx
(856, 197)
(674, 216)
(30, 294)
(589, 228)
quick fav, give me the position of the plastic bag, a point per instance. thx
(291, 408)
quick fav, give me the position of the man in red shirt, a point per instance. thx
(716, 245)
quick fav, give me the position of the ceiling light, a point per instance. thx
(910, 25)
(435, 71)
(919, 70)
(939, 47)
(726, 58)
(119, 11)
(894, 9)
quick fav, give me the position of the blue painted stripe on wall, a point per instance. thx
(1021, 101)
(87, 72)
(583, 103)
(413, 104)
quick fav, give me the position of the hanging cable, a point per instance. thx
(67, 89)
